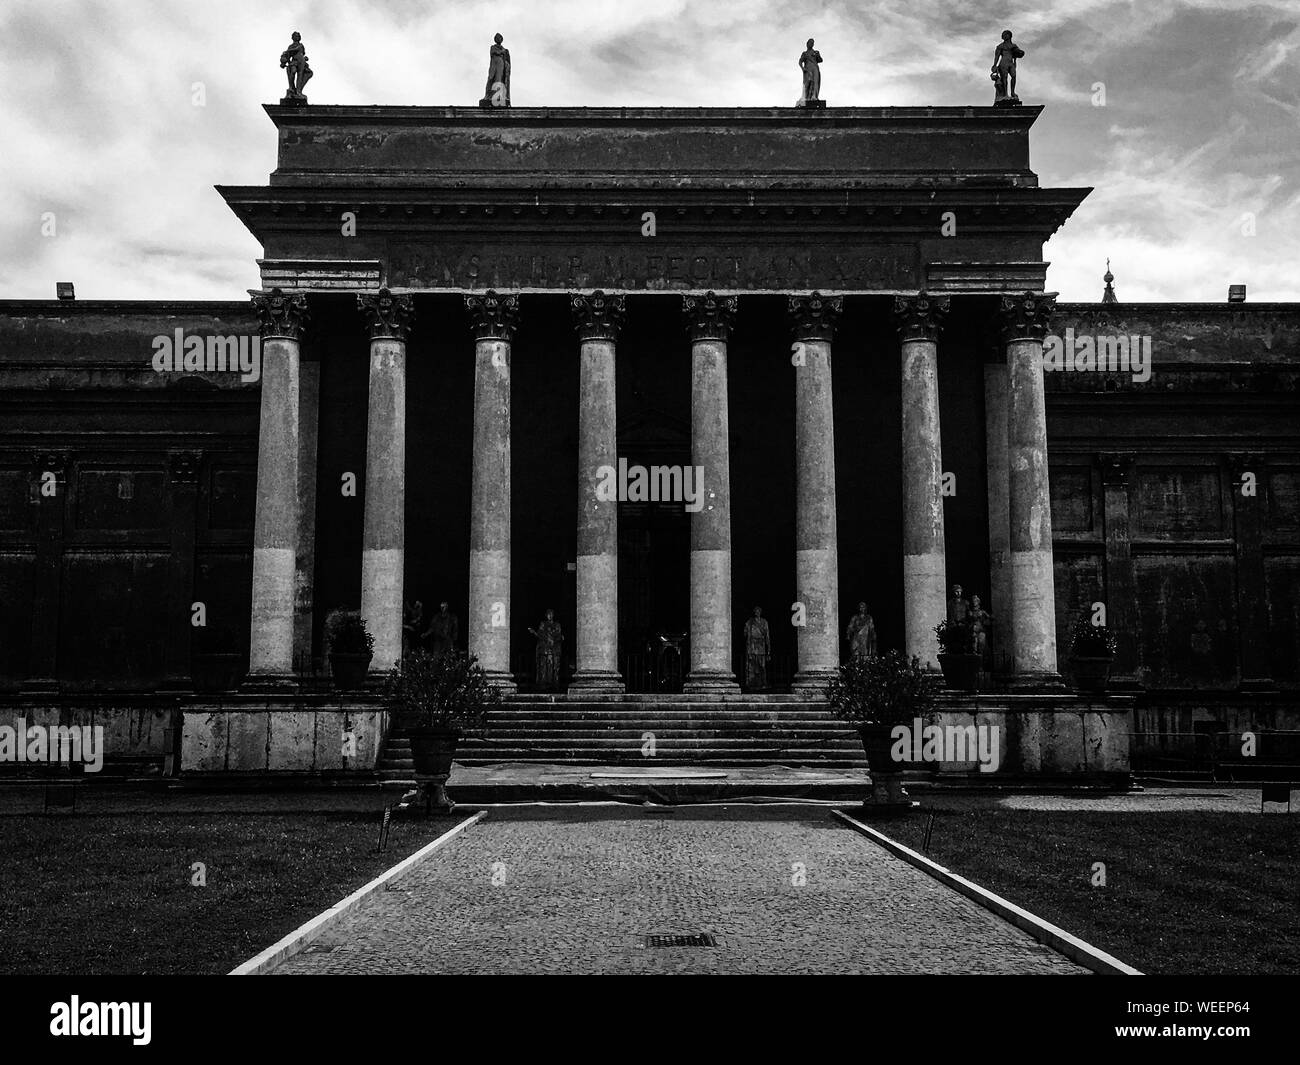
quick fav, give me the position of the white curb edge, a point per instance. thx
(300, 937)
(1074, 948)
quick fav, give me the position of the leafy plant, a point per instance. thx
(956, 637)
(1091, 641)
(447, 691)
(889, 689)
(346, 634)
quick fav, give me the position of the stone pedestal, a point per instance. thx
(489, 610)
(597, 318)
(816, 544)
(709, 319)
(919, 319)
(383, 558)
(1033, 595)
(276, 521)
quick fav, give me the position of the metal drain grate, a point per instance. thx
(703, 940)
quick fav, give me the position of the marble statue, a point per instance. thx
(443, 631)
(412, 619)
(958, 610)
(758, 649)
(1003, 71)
(810, 64)
(980, 623)
(293, 61)
(862, 634)
(497, 93)
(549, 639)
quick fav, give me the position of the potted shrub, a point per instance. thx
(1091, 652)
(433, 700)
(876, 694)
(957, 656)
(351, 647)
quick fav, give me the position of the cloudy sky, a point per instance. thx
(1196, 148)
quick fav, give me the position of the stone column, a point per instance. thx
(183, 481)
(1121, 600)
(919, 319)
(489, 610)
(598, 318)
(998, 480)
(383, 556)
(709, 319)
(276, 522)
(816, 542)
(1033, 596)
(1250, 513)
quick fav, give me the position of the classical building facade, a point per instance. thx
(473, 322)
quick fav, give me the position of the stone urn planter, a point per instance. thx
(351, 647)
(349, 670)
(961, 672)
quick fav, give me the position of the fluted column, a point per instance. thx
(383, 557)
(597, 318)
(489, 610)
(709, 319)
(816, 541)
(276, 521)
(919, 319)
(1033, 598)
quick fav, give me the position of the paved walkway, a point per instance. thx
(579, 892)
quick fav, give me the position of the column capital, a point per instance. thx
(183, 466)
(920, 317)
(597, 316)
(493, 316)
(814, 317)
(281, 315)
(1116, 467)
(710, 317)
(1027, 316)
(387, 317)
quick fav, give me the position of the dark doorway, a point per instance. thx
(653, 594)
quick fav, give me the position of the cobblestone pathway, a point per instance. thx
(579, 894)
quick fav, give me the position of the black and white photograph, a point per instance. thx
(675, 488)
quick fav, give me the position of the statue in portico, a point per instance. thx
(497, 93)
(758, 650)
(1003, 71)
(810, 64)
(958, 609)
(293, 61)
(550, 637)
(980, 623)
(443, 631)
(862, 634)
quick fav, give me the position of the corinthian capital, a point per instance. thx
(386, 316)
(1027, 316)
(598, 316)
(493, 316)
(920, 317)
(710, 317)
(814, 316)
(281, 315)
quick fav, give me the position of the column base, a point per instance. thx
(1044, 682)
(503, 681)
(597, 682)
(812, 679)
(704, 682)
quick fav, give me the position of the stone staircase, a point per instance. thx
(736, 732)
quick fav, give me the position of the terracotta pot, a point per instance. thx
(349, 670)
(433, 750)
(960, 672)
(1091, 672)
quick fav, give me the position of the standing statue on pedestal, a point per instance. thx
(958, 609)
(412, 619)
(980, 623)
(862, 634)
(497, 93)
(758, 649)
(1003, 71)
(547, 660)
(810, 64)
(293, 61)
(443, 632)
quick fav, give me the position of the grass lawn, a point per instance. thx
(1190, 892)
(110, 891)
